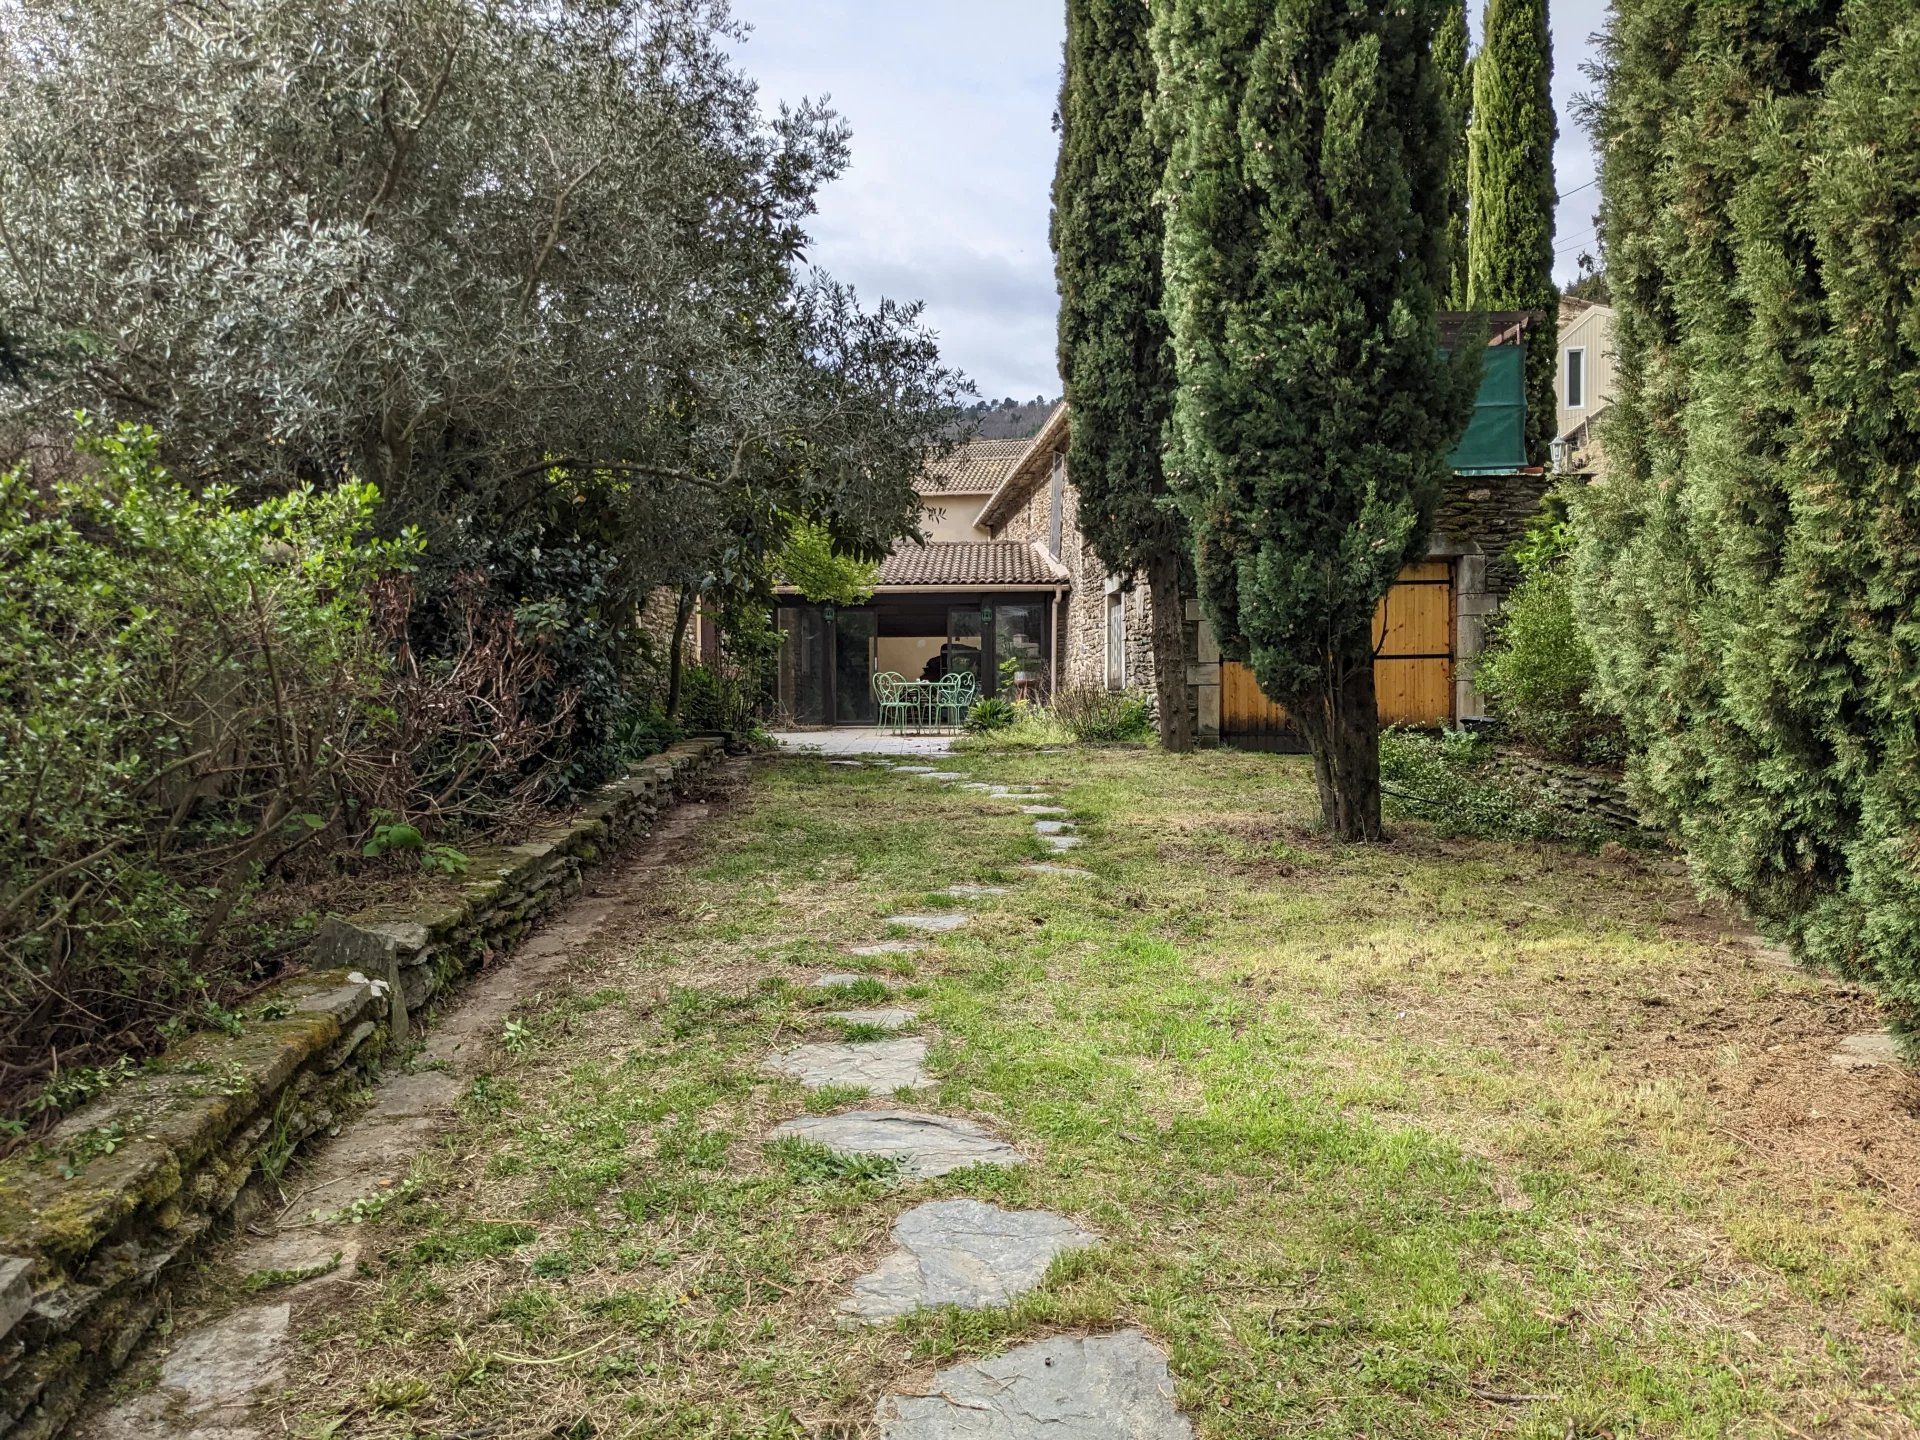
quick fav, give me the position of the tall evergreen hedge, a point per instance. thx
(1305, 261)
(1115, 357)
(1454, 63)
(1749, 572)
(1510, 192)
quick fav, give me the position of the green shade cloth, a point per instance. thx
(1496, 438)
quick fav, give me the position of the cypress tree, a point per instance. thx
(1455, 65)
(1115, 358)
(1305, 261)
(1510, 191)
(1749, 573)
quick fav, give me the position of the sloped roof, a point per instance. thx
(975, 468)
(963, 563)
(1029, 468)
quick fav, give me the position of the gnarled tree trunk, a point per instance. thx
(1342, 728)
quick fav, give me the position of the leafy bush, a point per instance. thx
(1538, 669)
(990, 713)
(1449, 780)
(1029, 728)
(642, 729)
(190, 693)
(1092, 713)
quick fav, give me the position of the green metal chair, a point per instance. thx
(958, 692)
(890, 693)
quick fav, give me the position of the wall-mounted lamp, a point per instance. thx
(827, 611)
(986, 614)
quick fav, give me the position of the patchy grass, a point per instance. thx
(1435, 1138)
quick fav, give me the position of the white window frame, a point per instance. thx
(1116, 609)
(1566, 377)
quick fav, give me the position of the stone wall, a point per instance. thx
(98, 1219)
(1577, 789)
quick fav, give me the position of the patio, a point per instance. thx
(860, 740)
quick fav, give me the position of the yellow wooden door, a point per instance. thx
(1412, 665)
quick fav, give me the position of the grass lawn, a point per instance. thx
(1433, 1138)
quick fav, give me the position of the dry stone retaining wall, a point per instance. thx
(97, 1218)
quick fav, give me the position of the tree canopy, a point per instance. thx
(1305, 262)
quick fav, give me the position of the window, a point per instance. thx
(1117, 640)
(1573, 365)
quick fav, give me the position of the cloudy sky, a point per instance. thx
(951, 104)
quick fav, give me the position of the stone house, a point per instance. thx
(1004, 584)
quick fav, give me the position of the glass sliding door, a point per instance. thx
(1020, 649)
(966, 643)
(803, 663)
(855, 634)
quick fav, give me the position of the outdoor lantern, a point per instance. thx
(826, 612)
(986, 614)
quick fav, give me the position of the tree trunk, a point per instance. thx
(1342, 726)
(1170, 653)
(682, 613)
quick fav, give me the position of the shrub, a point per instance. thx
(990, 713)
(1093, 714)
(1538, 669)
(1447, 779)
(190, 693)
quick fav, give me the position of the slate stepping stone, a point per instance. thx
(913, 769)
(1043, 809)
(926, 1145)
(1049, 867)
(834, 979)
(882, 1065)
(963, 1253)
(888, 947)
(1060, 844)
(931, 923)
(887, 1017)
(1052, 827)
(1069, 1387)
(942, 775)
(849, 764)
(966, 889)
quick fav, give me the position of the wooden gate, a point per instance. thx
(1412, 664)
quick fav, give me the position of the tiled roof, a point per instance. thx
(961, 563)
(975, 468)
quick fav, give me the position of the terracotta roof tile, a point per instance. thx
(970, 562)
(975, 468)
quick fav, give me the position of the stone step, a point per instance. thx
(963, 1253)
(881, 1065)
(1060, 844)
(1052, 827)
(1069, 1387)
(887, 1017)
(926, 1145)
(889, 947)
(932, 924)
(1049, 867)
(834, 979)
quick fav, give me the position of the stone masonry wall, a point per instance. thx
(98, 1219)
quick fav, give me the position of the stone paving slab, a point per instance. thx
(963, 1253)
(1043, 810)
(966, 889)
(943, 775)
(926, 1145)
(1069, 1387)
(1061, 843)
(1052, 827)
(933, 924)
(834, 979)
(1050, 867)
(887, 1017)
(915, 769)
(208, 1380)
(889, 947)
(881, 1065)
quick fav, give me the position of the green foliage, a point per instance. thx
(190, 693)
(1538, 669)
(1748, 573)
(1511, 192)
(990, 713)
(813, 565)
(1455, 66)
(1093, 714)
(1450, 781)
(1115, 354)
(1306, 258)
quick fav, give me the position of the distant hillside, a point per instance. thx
(1007, 419)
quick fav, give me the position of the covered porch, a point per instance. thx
(1001, 636)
